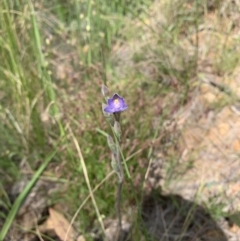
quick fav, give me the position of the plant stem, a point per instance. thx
(120, 183)
(119, 192)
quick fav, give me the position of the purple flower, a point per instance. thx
(115, 104)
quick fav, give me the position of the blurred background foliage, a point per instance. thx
(54, 57)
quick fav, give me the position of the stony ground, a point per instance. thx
(206, 162)
(210, 144)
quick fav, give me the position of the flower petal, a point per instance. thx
(115, 104)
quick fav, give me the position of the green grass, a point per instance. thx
(54, 58)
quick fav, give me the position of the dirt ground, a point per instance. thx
(210, 141)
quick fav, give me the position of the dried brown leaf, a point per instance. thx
(60, 225)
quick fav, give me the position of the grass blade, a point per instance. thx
(23, 195)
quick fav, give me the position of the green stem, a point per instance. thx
(120, 156)
(120, 183)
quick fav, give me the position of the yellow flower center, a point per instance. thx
(116, 102)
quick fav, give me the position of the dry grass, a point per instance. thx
(158, 60)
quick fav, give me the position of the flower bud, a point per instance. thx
(117, 130)
(114, 163)
(104, 91)
(115, 166)
(111, 144)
